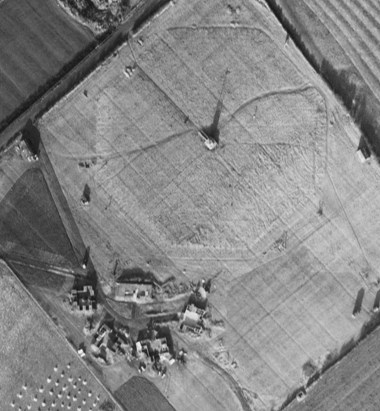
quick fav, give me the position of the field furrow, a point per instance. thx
(37, 41)
(367, 42)
(368, 19)
(373, 5)
(343, 38)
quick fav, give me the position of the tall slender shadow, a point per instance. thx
(358, 302)
(32, 136)
(212, 131)
(86, 258)
(376, 302)
(86, 195)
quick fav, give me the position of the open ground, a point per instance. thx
(272, 214)
(38, 41)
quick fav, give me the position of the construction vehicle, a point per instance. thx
(210, 135)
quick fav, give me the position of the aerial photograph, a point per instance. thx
(188, 205)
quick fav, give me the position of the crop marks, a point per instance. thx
(158, 195)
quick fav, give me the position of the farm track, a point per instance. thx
(223, 373)
(230, 380)
(26, 262)
(84, 67)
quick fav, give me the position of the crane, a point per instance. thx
(210, 135)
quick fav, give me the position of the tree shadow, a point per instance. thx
(86, 258)
(87, 192)
(86, 195)
(32, 136)
(358, 302)
(377, 301)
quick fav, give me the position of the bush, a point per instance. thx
(107, 405)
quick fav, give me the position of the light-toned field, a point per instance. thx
(37, 40)
(30, 350)
(286, 275)
(351, 385)
(137, 131)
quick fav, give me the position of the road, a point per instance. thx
(84, 67)
(43, 266)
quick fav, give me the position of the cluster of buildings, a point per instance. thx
(129, 70)
(109, 342)
(193, 318)
(153, 349)
(133, 291)
(363, 152)
(83, 299)
(153, 346)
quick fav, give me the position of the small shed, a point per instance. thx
(363, 152)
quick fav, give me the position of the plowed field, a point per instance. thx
(141, 394)
(37, 41)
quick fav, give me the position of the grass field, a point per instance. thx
(277, 215)
(37, 41)
(37, 277)
(30, 223)
(34, 358)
